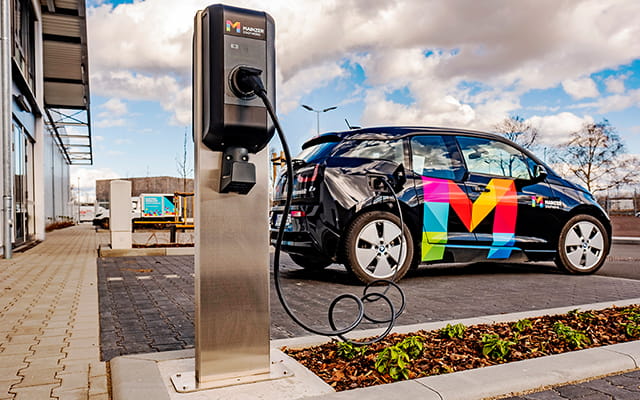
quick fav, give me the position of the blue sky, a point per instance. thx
(459, 63)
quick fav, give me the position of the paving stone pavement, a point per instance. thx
(617, 387)
(146, 303)
(49, 332)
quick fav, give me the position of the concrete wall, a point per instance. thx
(155, 184)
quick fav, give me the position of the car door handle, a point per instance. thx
(480, 189)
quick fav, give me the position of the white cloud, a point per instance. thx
(615, 84)
(110, 123)
(580, 88)
(555, 129)
(142, 51)
(113, 108)
(619, 102)
(87, 177)
(122, 141)
(304, 82)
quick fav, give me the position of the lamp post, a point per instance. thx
(306, 107)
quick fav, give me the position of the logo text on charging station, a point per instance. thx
(237, 27)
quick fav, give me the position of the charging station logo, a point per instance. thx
(234, 25)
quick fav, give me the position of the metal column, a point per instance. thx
(231, 268)
(5, 92)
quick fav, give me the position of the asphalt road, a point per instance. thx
(623, 262)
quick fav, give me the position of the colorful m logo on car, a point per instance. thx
(233, 25)
(440, 195)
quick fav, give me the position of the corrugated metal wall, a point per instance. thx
(57, 184)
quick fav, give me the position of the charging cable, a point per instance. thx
(248, 81)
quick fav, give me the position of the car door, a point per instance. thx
(438, 171)
(507, 199)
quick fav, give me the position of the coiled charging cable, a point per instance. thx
(249, 79)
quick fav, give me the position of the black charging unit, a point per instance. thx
(236, 42)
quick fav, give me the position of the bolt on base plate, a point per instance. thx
(185, 382)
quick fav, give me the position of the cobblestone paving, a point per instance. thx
(146, 303)
(49, 321)
(616, 387)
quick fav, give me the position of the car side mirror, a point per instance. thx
(539, 173)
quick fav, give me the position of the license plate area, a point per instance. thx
(278, 220)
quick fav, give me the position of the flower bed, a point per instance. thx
(457, 347)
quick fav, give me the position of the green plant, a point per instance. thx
(413, 346)
(521, 325)
(350, 351)
(632, 313)
(494, 347)
(631, 329)
(575, 338)
(453, 331)
(586, 316)
(394, 360)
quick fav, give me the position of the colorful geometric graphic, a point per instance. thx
(441, 194)
(537, 201)
(233, 25)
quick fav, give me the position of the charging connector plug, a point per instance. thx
(246, 82)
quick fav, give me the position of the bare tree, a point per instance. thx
(595, 155)
(183, 163)
(519, 131)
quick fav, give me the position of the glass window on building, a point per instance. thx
(22, 150)
(23, 23)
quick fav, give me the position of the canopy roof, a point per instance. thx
(66, 77)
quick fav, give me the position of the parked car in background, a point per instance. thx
(464, 196)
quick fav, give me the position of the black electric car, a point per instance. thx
(462, 196)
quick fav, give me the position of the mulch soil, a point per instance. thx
(442, 354)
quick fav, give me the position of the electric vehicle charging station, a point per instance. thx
(231, 130)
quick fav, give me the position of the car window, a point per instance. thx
(431, 157)
(317, 152)
(492, 157)
(390, 150)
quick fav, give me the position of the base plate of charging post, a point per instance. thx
(185, 382)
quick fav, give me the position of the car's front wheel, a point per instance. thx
(583, 245)
(377, 248)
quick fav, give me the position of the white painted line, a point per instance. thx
(172, 276)
(114, 278)
(143, 277)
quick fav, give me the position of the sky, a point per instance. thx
(458, 63)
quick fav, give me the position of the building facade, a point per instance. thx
(46, 68)
(152, 184)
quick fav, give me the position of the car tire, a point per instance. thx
(310, 263)
(372, 247)
(583, 245)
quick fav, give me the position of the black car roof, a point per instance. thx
(391, 132)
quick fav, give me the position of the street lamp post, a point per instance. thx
(306, 107)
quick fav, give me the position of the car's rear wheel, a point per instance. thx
(310, 263)
(583, 245)
(376, 248)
